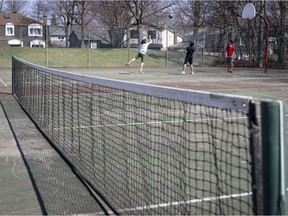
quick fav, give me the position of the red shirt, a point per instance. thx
(230, 50)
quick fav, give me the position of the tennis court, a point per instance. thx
(159, 125)
(244, 81)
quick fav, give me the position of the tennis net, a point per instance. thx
(147, 149)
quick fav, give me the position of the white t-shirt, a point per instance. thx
(143, 47)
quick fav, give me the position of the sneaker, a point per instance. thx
(192, 72)
(229, 71)
(141, 72)
(127, 65)
(183, 72)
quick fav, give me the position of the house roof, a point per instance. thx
(93, 34)
(16, 19)
(57, 31)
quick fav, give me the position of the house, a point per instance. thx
(57, 36)
(17, 30)
(116, 38)
(170, 37)
(92, 38)
(161, 37)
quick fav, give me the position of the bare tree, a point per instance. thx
(54, 21)
(110, 14)
(130, 14)
(39, 9)
(83, 14)
(64, 11)
(278, 14)
(191, 15)
(2, 8)
(73, 13)
(15, 6)
(225, 16)
(115, 17)
(147, 12)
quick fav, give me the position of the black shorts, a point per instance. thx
(229, 59)
(188, 60)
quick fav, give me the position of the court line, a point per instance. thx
(3, 82)
(152, 123)
(163, 205)
(148, 123)
(20, 130)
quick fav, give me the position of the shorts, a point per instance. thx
(188, 60)
(140, 55)
(229, 59)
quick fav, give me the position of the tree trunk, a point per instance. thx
(281, 41)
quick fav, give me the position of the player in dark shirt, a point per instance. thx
(189, 57)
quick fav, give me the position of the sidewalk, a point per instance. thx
(17, 195)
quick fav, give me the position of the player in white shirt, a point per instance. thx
(142, 52)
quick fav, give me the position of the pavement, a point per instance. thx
(35, 180)
(17, 195)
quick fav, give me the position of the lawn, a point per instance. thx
(85, 58)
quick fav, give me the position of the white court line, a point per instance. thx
(163, 205)
(3, 82)
(154, 123)
(147, 123)
(20, 130)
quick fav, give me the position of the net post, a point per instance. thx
(272, 119)
(13, 73)
(255, 150)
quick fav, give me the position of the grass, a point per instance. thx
(85, 58)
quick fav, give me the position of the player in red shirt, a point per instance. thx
(230, 50)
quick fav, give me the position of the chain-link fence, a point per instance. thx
(167, 47)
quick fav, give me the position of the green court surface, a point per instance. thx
(244, 81)
(27, 186)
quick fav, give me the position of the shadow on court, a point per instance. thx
(34, 179)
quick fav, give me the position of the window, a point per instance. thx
(35, 30)
(6, 16)
(93, 45)
(134, 34)
(15, 43)
(9, 29)
(37, 43)
(152, 34)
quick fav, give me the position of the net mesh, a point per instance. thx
(145, 153)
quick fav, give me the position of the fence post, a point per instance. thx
(128, 44)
